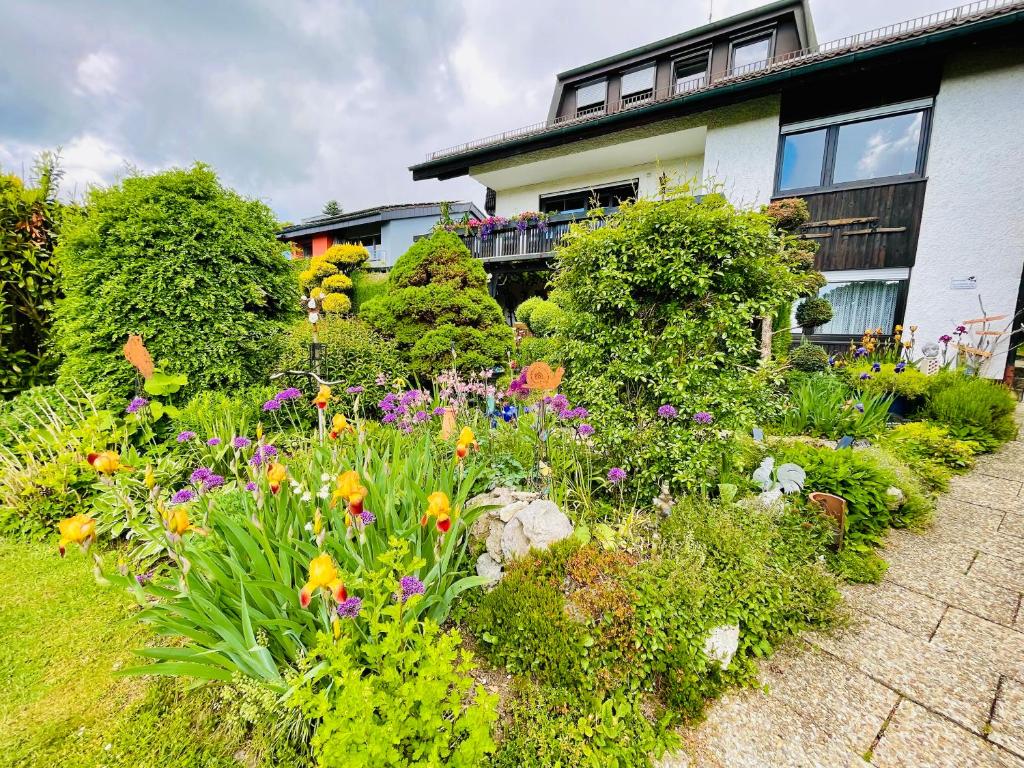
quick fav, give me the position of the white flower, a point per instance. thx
(325, 477)
(307, 496)
(324, 492)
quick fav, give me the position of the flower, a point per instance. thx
(349, 609)
(667, 412)
(439, 411)
(183, 496)
(241, 442)
(368, 518)
(899, 367)
(323, 574)
(410, 586)
(860, 352)
(200, 475)
(945, 338)
(616, 475)
(106, 462)
(585, 430)
(865, 376)
(184, 437)
(438, 506)
(142, 579)
(876, 367)
(213, 441)
(322, 397)
(961, 330)
(262, 453)
(136, 405)
(389, 418)
(382, 379)
(250, 486)
(213, 481)
(177, 521)
(703, 417)
(354, 391)
(420, 416)
(272, 405)
(292, 393)
(859, 407)
(339, 425)
(80, 530)
(276, 473)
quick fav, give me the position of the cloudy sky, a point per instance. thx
(300, 101)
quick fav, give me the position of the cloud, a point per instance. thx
(97, 74)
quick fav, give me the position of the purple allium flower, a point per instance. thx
(860, 352)
(667, 412)
(859, 407)
(389, 418)
(410, 586)
(439, 411)
(578, 413)
(200, 475)
(585, 430)
(272, 405)
(136, 405)
(241, 442)
(142, 579)
(560, 402)
(354, 390)
(250, 486)
(213, 441)
(406, 427)
(420, 416)
(876, 367)
(292, 393)
(616, 475)
(184, 437)
(368, 517)
(865, 376)
(945, 338)
(213, 481)
(350, 608)
(261, 454)
(183, 496)
(703, 417)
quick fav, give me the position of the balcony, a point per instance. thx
(516, 243)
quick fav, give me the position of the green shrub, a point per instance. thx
(336, 283)
(813, 312)
(436, 297)
(366, 286)
(930, 451)
(972, 408)
(534, 348)
(822, 405)
(546, 318)
(907, 382)
(212, 414)
(190, 265)
(525, 310)
(858, 567)
(808, 357)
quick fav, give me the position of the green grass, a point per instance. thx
(62, 639)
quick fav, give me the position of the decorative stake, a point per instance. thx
(137, 354)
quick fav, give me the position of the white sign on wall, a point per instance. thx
(964, 283)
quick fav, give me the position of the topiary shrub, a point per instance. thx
(437, 297)
(808, 357)
(813, 312)
(193, 267)
(525, 310)
(336, 303)
(337, 284)
(327, 276)
(546, 318)
(788, 213)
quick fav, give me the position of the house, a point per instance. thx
(387, 231)
(905, 142)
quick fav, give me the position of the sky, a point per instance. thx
(296, 102)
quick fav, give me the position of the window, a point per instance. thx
(579, 200)
(853, 149)
(638, 84)
(691, 75)
(803, 158)
(860, 304)
(752, 53)
(590, 98)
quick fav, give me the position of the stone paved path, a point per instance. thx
(931, 670)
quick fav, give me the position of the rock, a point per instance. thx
(544, 523)
(509, 511)
(513, 540)
(895, 497)
(721, 644)
(488, 568)
(494, 539)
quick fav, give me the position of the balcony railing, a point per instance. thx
(893, 32)
(514, 244)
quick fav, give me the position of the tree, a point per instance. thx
(436, 303)
(29, 285)
(331, 208)
(190, 265)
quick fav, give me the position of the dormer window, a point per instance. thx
(691, 74)
(590, 97)
(638, 85)
(751, 53)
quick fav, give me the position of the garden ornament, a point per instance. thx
(137, 354)
(787, 478)
(834, 507)
(664, 502)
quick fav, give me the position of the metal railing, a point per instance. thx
(954, 16)
(531, 242)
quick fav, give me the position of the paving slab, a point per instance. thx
(987, 491)
(910, 611)
(968, 636)
(998, 570)
(1005, 465)
(917, 738)
(1008, 717)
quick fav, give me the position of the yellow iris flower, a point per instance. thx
(323, 574)
(322, 397)
(438, 506)
(80, 530)
(107, 462)
(276, 473)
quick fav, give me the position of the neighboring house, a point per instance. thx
(905, 141)
(387, 231)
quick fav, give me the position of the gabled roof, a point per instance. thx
(378, 214)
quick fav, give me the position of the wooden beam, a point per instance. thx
(974, 351)
(988, 319)
(991, 333)
(874, 231)
(816, 236)
(839, 222)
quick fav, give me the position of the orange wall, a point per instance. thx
(321, 243)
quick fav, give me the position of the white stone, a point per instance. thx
(721, 644)
(513, 541)
(544, 523)
(488, 568)
(895, 497)
(509, 511)
(494, 535)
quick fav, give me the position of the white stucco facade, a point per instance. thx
(740, 151)
(973, 219)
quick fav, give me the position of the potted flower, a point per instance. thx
(813, 312)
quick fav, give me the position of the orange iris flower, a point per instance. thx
(323, 574)
(107, 462)
(80, 530)
(439, 507)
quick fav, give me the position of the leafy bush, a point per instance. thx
(400, 694)
(789, 213)
(525, 310)
(808, 357)
(534, 348)
(930, 451)
(972, 408)
(220, 414)
(661, 302)
(812, 312)
(822, 405)
(889, 378)
(367, 286)
(546, 318)
(436, 298)
(191, 266)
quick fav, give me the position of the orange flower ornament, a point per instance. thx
(540, 377)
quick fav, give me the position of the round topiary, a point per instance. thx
(346, 256)
(322, 269)
(809, 357)
(813, 312)
(545, 318)
(525, 310)
(337, 303)
(788, 213)
(337, 283)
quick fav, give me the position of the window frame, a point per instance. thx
(899, 275)
(831, 126)
(591, 191)
(690, 59)
(746, 39)
(593, 106)
(623, 95)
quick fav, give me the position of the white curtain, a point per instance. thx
(856, 307)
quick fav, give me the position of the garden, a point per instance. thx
(266, 511)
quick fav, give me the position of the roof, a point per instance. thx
(736, 85)
(377, 214)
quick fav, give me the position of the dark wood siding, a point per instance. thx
(867, 228)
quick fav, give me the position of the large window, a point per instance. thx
(580, 200)
(860, 302)
(590, 97)
(853, 149)
(752, 53)
(691, 74)
(638, 84)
